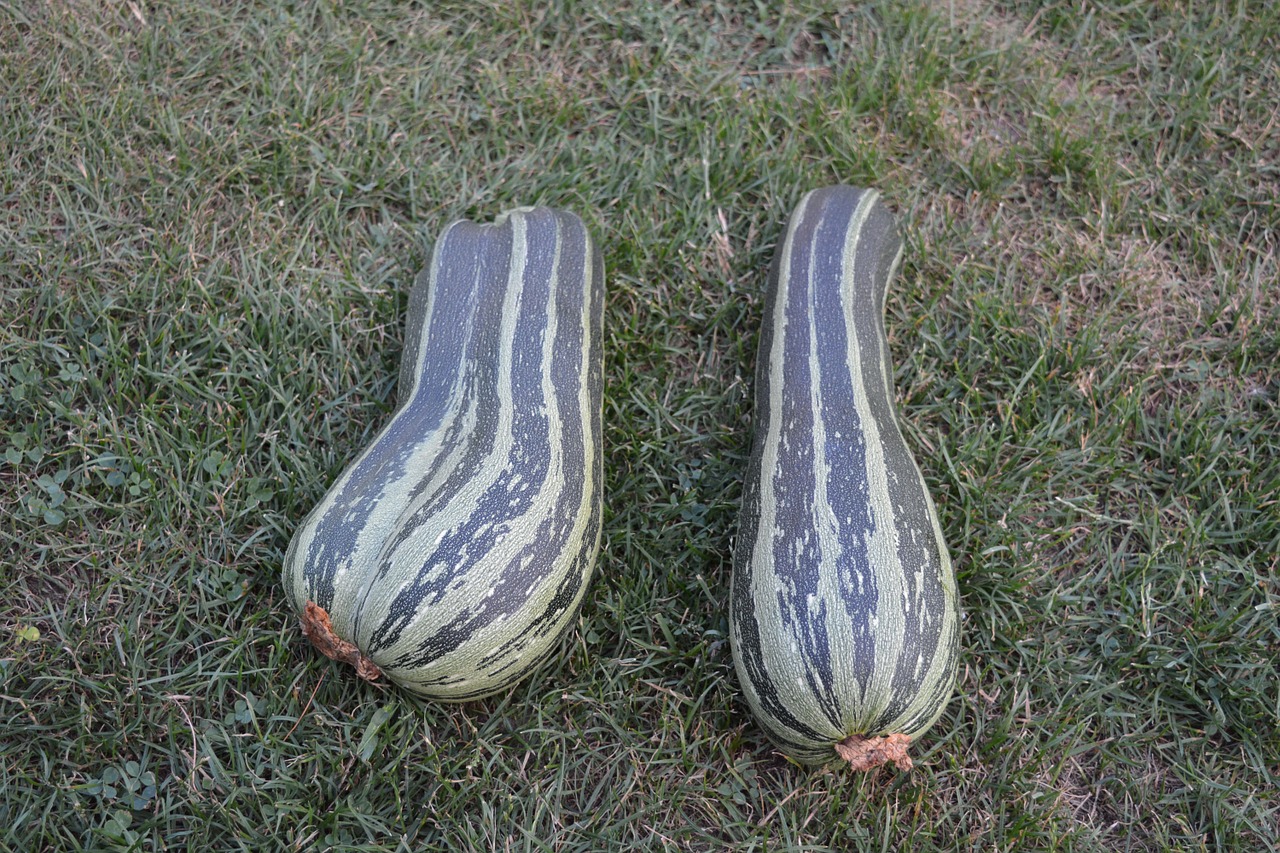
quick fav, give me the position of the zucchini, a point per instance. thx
(843, 605)
(454, 552)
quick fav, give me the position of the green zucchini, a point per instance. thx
(454, 552)
(843, 605)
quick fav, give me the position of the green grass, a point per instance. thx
(209, 217)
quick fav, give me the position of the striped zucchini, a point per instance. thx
(454, 553)
(843, 608)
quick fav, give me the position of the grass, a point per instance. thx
(209, 216)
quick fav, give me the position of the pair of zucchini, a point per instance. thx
(453, 554)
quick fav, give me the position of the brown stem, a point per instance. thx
(317, 628)
(866, 753)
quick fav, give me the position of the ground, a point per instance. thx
(210, 214)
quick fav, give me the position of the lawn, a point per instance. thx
(210, 215)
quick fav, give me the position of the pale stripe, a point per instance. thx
(942, 663)
(419, 551)
(884, 340)
(944, 659)
(591, 423)
(779, 656)
(882, 544)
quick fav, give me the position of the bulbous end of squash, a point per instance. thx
(317, 628)
(868, 753)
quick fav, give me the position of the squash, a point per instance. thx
(454, 552)
(843, 607)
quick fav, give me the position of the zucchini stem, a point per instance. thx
(867, 753)
(317, 628)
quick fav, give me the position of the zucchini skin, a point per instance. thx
(455, 551)
(843, 607)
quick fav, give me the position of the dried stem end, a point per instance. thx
(867, 753)
(317, 628)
